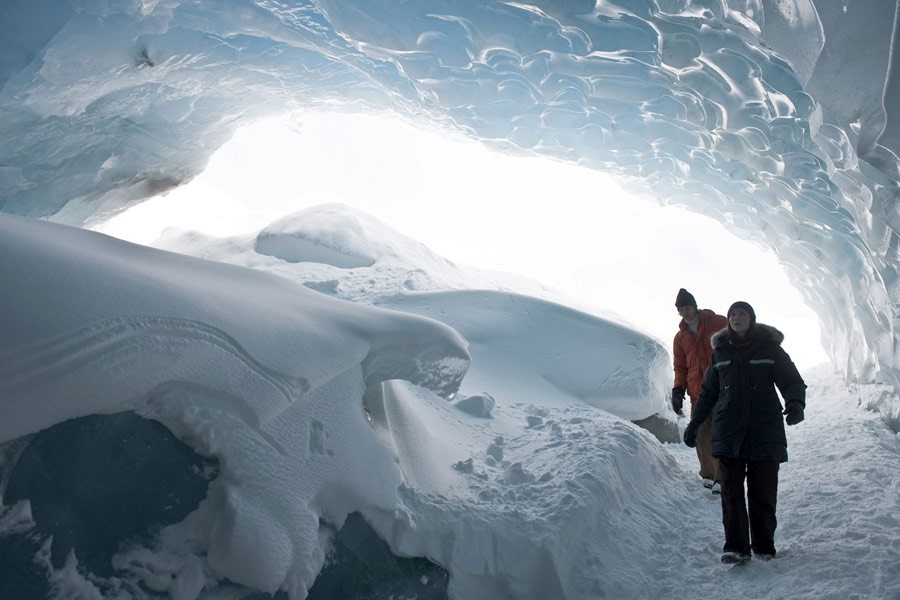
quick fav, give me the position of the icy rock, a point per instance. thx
(496, 452)
(361, 565)
(21, 575)
(479, 405)
(465, 466)
(665, 430)
(516, 474)
(330, 287)
(140, 478)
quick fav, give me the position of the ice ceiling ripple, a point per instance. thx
(740, 109)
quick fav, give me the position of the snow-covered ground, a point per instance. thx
(501, 449)
(838, 511)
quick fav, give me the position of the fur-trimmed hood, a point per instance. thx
(764, 333)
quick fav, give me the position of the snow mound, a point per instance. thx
(336, 235)
(538, 351)
(259, 372)
(324, 235)
(480, 405)
(526, 342)
(400, 263)
(516, 511)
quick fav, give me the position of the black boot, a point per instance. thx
(735, 558)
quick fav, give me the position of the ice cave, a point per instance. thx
(780, 118)
(765, 113)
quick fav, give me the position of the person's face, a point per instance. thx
(739, 319)
(687, 312)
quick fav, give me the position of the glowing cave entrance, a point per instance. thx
(573, 229)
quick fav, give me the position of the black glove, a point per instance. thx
(690, 434)
(677, 399)
(793, 412)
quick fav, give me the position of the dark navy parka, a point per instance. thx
(738, 389)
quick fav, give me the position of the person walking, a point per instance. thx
(739, 390)
(692, 351)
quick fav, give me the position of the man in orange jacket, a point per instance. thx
(692, 351)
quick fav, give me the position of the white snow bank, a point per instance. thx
(262, 373)
(328, 234)
(531, 350)
(317, 407)
(106, 301)
(544, 501)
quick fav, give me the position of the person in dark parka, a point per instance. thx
(738, 389)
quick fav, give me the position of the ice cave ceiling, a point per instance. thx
(780, 117)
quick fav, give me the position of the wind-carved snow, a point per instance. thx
(522, 338)
(340, 248)
(516, 344)
(140, 352)
(250, 368)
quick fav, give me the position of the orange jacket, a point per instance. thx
(692, 351)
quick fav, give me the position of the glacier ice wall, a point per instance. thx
(779, 117)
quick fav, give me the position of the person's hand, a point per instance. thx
(677, 399)
(690, 434)
(793, 412)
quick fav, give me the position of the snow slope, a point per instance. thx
(316, 408)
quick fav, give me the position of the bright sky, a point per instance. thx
(566, 226)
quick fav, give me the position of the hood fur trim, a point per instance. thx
(764, 333)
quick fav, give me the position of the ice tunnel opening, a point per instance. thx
(574, 229)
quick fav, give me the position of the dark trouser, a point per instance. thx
(762, 492)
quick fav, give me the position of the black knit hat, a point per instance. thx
(746, 306)
(685, 298)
